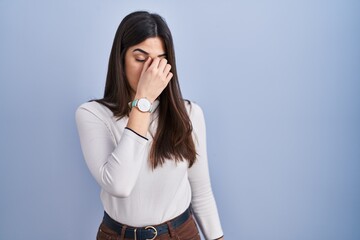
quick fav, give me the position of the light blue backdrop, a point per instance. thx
(279, 83)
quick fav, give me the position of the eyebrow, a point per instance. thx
(144, 52)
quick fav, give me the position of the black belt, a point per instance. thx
(145, 233)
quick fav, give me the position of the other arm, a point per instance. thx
(203, 201)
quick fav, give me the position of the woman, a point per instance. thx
(145, 145)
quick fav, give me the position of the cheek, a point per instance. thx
(133, 71)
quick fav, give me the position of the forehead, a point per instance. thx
(154, 45)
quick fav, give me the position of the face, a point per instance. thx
(136, 55)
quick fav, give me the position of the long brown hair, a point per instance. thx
(173, 137)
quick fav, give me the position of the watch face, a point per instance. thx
(144, 105)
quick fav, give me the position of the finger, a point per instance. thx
(169, 76)
(162, 65)
(155, 63)
(167, 69)
(146, 65)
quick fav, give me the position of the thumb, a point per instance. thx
(146, 65)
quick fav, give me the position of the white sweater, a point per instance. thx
(131, 192)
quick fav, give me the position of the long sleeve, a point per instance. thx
(115, 166)
(203, 201)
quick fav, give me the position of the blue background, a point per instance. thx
(278, 81)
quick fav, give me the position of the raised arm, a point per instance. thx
(114, 166)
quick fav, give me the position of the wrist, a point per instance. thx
(143, 104)
(137, 111)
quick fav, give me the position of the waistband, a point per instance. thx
(148, 232)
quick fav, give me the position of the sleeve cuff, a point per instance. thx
(137, 133)
(219, 237)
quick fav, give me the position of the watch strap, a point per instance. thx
(134, 103)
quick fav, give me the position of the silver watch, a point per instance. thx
(144, 105)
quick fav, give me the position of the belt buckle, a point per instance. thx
(155, 232)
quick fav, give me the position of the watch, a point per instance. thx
(144, 105)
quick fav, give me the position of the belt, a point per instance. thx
(145, 233)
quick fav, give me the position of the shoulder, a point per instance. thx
(197, 120)
(93, 108)
(194, 111)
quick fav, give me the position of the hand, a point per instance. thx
(154, 77)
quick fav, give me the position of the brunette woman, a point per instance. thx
(145, 145)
